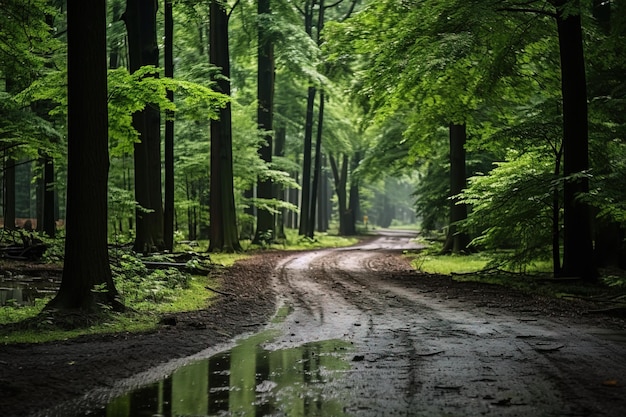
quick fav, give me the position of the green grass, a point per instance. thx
(294, 242)
(30, 325)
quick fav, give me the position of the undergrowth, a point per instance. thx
(533, 278)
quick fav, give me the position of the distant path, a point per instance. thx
(418, 353)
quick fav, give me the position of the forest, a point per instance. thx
(498, 126)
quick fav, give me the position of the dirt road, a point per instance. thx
(365, 336)
(419, 351)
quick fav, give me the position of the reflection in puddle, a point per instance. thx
(244, 381)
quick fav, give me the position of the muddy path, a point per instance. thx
(423, 350)
(402, 343)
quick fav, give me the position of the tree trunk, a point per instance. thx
(323, 202)
(265, 83)
(140, 19)
(340, 188)
(49, 223)
(279, 191)
(306, 163)
(168, 209)
(456, 241)
(86, 281)
(578, 257)
(223, 234)
(556, 219)
(317, 168)
(353, 199)
(9, 194)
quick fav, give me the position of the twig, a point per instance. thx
(229, 294)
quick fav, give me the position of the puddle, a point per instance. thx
(246, 380)
(23, 290)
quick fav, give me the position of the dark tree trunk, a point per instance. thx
(223, 234)
(578, 257)
(86, 265)
(9, 194)
(353, 199)
(305, 205)
(279, 150)
(340, 188)
(49, 223)
(168, 209)
(317, 168)
(140, 19)
(265, 190)
(456, 241)
(323, 202)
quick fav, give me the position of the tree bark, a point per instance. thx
(340, 188)
(265, 93)
(9, 194)
(280, 192)
(353, 198)
(86, 281)
(223, 233)
(317, 168)
(306, 163)
(456, 241)
(49, 223)
(140, 19)
(168, 209)
(578, 259)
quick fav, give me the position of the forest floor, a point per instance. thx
(441, 347)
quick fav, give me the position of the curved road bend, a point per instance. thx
(416, 353)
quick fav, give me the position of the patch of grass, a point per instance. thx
(227, 259)
(32, 325)
(449, 264)
(294, 241)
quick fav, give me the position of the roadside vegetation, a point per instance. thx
(535, 277)
(148, 294)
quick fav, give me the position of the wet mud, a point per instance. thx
(359, 333)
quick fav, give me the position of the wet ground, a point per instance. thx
(359, 334)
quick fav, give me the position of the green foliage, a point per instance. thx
(512, 208)
(136, 284)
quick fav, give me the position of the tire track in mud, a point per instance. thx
(420, 354)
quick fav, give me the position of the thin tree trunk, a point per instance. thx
(318, 166)
(49, 224)
(340, 189)
(9, 194)
(168, 210)
(265, 82)
(279, 191)
(306, 163)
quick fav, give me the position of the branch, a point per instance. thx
(231, 10)
(349, 12)
(338, 2)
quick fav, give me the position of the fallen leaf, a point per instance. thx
(610, 383)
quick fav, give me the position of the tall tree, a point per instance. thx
(265, 114)
(140, 19)
(578, 259)
(168, 210)
(223, 233)
(86, 281)
(457, 241)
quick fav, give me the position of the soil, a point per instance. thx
(374, 297)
